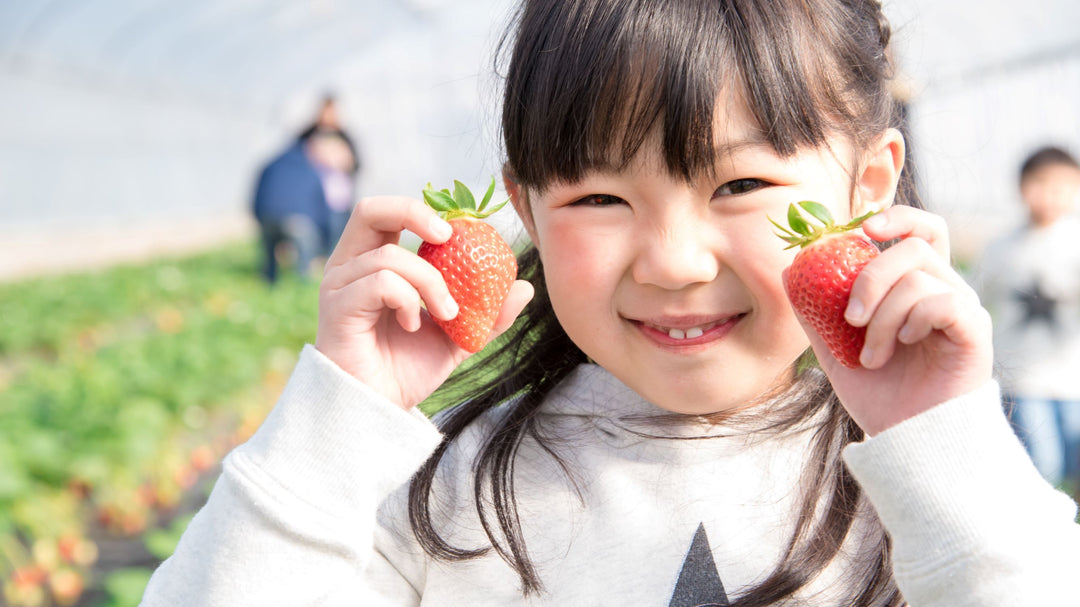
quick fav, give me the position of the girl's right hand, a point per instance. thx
(371, 322)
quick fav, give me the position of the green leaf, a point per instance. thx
(162, 542)
(796, 221)
(496, 209)
(818, 210)
(126, 586)
(440, 201)
(854, 223)
(487, 195)
(782, 232)
(463, 196)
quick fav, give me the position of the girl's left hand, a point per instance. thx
(928, 339)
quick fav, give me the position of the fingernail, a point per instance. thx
(866, 357)
(450, 307)
(855, 311)
(441, 228)
(904, 334)
(876, 221)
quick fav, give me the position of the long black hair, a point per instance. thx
(587, 82)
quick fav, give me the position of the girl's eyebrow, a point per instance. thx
(729, 148)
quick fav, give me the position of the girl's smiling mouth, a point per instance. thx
(687, 330)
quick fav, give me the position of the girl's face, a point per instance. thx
(675, 287)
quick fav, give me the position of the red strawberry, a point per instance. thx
(476, 263)
(819, 280)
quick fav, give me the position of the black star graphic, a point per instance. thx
(1037, 305)
(699, 583)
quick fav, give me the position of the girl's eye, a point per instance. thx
(598, 200)
(738, 186)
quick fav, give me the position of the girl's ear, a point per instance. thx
(880, 174)
(519, 199)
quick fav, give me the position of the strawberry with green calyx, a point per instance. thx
(477, 264)
(820, 278)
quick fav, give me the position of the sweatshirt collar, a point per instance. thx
(590, 391)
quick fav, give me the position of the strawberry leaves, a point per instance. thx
(801, 233)
(461, 202)
(440, 200)
(463, 196)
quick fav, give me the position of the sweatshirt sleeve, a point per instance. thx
(971, 521)
(291, 519)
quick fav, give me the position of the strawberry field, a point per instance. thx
(120, 392)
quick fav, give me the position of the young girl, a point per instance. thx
(660, 434)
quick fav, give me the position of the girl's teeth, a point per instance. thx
(690, 333)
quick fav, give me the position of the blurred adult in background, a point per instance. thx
(305, 194)
(290, 207)
(1030, 281)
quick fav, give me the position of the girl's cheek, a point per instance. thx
(770, 291)
(573, 259)
(769, 257)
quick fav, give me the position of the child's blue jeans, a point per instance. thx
(1050, 430)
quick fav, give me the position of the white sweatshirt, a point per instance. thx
(312, 510)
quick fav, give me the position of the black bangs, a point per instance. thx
(592, 81)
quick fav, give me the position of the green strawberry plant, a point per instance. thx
(119, 391)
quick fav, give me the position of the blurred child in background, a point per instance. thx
(334, 162)
(1030, 282)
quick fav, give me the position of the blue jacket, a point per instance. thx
(289, 185)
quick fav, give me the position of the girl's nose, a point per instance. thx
(677, 258)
